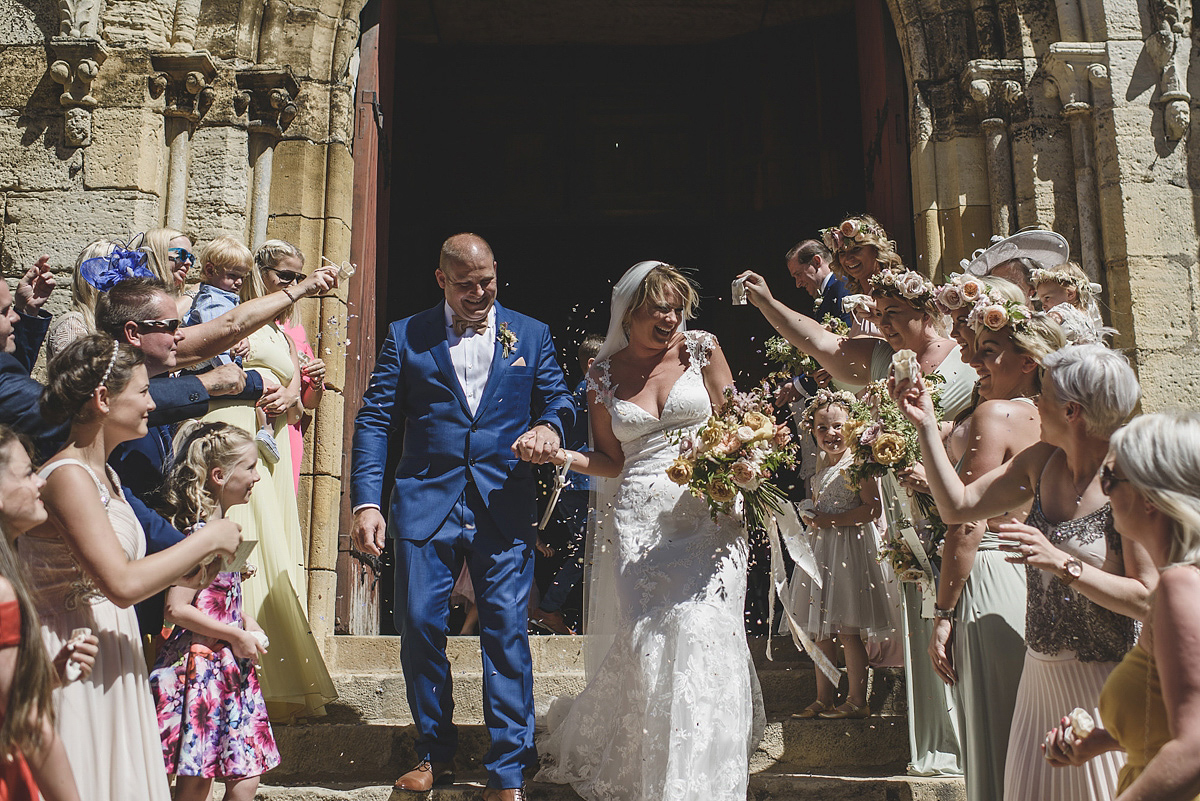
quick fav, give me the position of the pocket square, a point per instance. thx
(520, 362)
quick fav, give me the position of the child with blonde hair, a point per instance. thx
(1067, 283)
(211, 714)
(852, 599)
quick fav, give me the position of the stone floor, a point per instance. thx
(366, 740)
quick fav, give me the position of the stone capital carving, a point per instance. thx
(186, 80)
(268, 96)
(76, 65)
(994, 87)
(1077, 73)
(1168, 49)
(79, 19)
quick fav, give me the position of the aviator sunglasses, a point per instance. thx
(168, 326)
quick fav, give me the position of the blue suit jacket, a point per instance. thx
(444, 444)
(831, 302)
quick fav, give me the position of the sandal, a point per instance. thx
(811, 711)
(847, 711)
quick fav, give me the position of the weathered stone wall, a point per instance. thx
(212, 116)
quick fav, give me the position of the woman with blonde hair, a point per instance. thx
(280, 265)
(80, 319)
(1150, 705)
(171, 259)
(860, 248)
(293, 676)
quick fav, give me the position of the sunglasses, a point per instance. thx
(182, 255)
(167, 326)
(287, 276)
(1109, 480)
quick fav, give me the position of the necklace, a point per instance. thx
(1079, 492)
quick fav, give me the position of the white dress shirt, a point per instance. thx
(471, 355)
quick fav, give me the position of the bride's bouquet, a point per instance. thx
(795, 361)
(736, 452)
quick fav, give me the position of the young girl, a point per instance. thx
(853, 598)
(211, 713)
(1069, 284)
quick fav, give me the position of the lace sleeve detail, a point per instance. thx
(700, 345)
(601, 382)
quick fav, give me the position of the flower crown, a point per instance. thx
(994, 314)
(910, 285)
(960, 291)
(828, 397)
(852, 233)
(1083, 287)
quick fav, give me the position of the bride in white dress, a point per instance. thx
(672, 709)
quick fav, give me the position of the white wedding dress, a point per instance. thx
(674, 710)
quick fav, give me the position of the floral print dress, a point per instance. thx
(211, 715)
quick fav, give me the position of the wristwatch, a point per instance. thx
(943, 614)
(1072, 569)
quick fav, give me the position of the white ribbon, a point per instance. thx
(793, 533)
(909, 535)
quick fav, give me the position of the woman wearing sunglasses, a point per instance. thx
(170, 256)
(1151, 702)
(1087, 586)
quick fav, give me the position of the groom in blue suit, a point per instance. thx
(479, 392)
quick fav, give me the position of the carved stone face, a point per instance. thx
(78, 127)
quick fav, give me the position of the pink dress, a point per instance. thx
(297, 334)
(211, 714)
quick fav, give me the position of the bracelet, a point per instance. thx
(289, 295)
(943, 614)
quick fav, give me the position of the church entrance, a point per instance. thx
(713, 140)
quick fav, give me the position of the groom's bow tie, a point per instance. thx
(461, 324)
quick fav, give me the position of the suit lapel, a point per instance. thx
(498, 359)
(435, 331)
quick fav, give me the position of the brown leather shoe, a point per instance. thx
(549, 621)
(425, 776)
(511, 794)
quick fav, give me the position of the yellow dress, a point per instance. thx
(292, 673)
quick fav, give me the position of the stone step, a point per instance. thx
(380, 698)
(773, 786)
(378, 752)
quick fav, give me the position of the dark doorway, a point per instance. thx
(575, 162)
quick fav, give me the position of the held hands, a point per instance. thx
(314, 371)
(369, 531)
(34, 287)
(79, 651)
(941, 649)
(278, 400)
(538, 445)
(757, 291)
(1029, 546)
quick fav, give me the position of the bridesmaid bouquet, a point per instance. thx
(795, 361)
(736, 452)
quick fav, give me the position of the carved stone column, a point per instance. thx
(995, 89)
(183, 32)
(185, 78)
(268, 96)
(77, 62)
(1078, 75)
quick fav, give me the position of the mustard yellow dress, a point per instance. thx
(1133, 711)
(292, 673)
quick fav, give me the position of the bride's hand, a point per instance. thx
(757, 291)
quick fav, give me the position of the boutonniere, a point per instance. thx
(507, 339)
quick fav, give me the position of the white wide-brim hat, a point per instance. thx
(1047, 248)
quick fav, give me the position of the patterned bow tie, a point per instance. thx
(461, 324)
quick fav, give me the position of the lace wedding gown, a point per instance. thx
(674, 711)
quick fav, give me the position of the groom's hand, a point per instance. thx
(537, 445)
(369, 531)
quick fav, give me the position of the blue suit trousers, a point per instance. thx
(501, 569)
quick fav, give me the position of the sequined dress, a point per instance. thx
(674, 710)
(1073, 644)
(107, 721)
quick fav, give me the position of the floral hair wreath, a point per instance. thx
(1082, 286)
(960, 291)
(994, 314)
(852, 233)
(912, 286)
(828, 397)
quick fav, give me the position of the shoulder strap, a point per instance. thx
(50, 468)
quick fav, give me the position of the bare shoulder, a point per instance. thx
(7, 593)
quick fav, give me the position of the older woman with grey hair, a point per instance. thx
(1151, 702)
(1088, 586)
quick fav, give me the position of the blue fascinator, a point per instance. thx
(105, 272)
